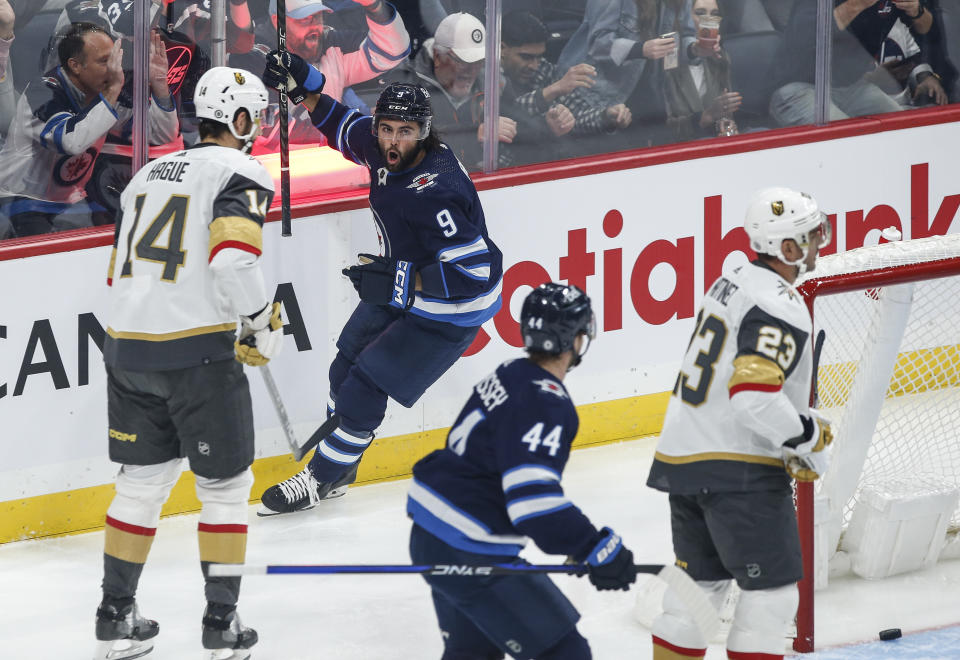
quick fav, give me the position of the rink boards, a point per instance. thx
(644, 242)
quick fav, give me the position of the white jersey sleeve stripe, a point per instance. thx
(528, 474)
(539, 505)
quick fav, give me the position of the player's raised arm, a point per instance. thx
(304, 85)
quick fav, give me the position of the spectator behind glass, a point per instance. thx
(450, 67)
(61, 124)
(543, 90)
(859, 28)
(697, 92)
(345, 57)
(621, 39)
(8, 96)
(905, 73)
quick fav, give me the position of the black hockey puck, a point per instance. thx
(890, 634)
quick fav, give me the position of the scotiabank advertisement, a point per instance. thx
(644, 243)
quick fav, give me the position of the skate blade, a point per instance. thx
(122, 649)
(265, 512)
(226, 654)
(336, 492)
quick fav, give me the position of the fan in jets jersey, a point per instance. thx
(497, 482)
(184, 270)
(422, 302)
(738, 427)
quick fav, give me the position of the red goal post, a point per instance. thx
(890, 365)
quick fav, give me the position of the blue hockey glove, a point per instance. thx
(292, 71)
(383, 281)
(609, 564)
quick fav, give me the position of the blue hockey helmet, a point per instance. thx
(553, 315)
(404, 102)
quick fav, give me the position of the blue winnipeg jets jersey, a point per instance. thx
(498, 479)
(429, 215)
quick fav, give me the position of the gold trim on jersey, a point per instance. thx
(167, 336)
(235, 229)
(718, 456)
(113, 263)
(757, 370)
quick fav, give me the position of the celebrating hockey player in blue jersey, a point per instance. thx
(421, 304)
(497, 482)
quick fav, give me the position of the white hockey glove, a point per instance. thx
(807, 456)
(261, 336)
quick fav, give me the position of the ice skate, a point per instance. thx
(122, 634)
(224, 635)
(302, 492)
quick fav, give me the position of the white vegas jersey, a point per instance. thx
(743, 383)
(186, 259)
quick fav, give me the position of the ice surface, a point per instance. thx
(51, 587)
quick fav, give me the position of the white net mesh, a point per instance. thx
(915, 438)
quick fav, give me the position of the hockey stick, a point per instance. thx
(298, 450)
(285, 424)
(817, 348)
(285, 229)
(686, 589)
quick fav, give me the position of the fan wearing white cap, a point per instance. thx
(450, 66)
(185, 274)
(346, 57)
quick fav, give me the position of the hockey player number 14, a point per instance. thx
(172, 256)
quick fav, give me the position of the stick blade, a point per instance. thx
(695, 599)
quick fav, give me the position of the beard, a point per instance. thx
(398, 161)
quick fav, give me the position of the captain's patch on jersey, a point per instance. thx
(423, 181)
(552, 386)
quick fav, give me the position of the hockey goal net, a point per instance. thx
(889, 380)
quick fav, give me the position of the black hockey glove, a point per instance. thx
(292, 71)
(806, 457)
(609, 564)
(383, 281)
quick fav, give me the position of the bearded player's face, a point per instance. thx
(398, 142)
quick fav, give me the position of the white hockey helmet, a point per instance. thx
(223, 90)
(776, 214)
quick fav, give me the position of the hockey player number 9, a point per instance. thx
(704, 361)
(447, 224)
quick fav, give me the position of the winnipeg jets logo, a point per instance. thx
(788, 291)
(552, 386)
(423, 181)
(382, 176)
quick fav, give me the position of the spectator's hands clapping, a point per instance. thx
(910, 7)
(657, 49)
(7, 19)
(506, 130)
(724, 105)
(618, 116)
(158, 66)
(930, 88)
(580, 75)
(560, 119)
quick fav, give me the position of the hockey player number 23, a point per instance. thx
(713, 328)
(172, 256)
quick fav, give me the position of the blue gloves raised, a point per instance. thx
(291, 71)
